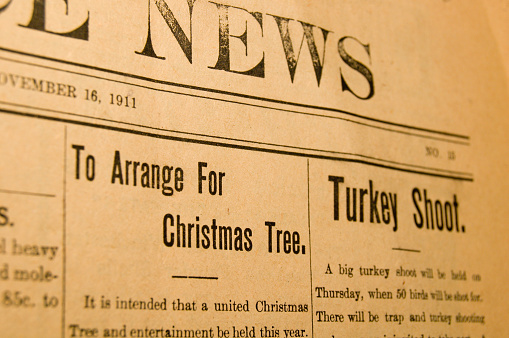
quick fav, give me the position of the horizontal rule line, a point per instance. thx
(461, 142)
(246, 96)
(195, 277)
(234, 146)
(407, 250)
(16, 192)
(241, 140)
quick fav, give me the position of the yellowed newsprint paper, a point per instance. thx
(268, 169)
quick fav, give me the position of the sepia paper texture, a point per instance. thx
(264, 169)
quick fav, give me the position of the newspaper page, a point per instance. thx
(230, 168)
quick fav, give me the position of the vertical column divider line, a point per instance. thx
(310, 262)
(64, 232)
